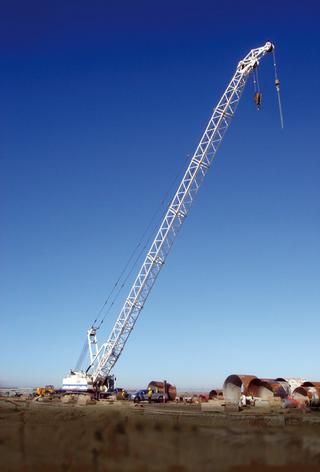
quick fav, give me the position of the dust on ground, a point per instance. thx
(120, 436)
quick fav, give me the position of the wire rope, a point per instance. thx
(82, 356)
(134, 252)
(277, 84)
(254, 82)
(126, 266)
(147, 242)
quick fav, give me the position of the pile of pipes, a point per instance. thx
(291, 392)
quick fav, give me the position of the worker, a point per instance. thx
(123, 394)
(149, 394)
(243, 400)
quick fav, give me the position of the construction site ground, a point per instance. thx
(121, 436)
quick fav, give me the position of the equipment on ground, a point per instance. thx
(149, 395)
(97, 375)
(45, 391)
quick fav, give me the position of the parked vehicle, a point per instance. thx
(159, 397)
(142, 395)
(118, 393)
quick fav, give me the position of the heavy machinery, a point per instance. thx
(102, 359)
(48, 390)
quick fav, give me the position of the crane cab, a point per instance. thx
(77, 382)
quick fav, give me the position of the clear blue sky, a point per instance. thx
(100, 105)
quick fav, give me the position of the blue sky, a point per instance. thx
(100, 105)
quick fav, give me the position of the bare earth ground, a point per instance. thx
(53, 436)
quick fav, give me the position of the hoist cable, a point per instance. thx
(135, 250)
(254, 81)
(82, 355)
(257, 78)
(123, 283)
(147, 242)
(277, 84)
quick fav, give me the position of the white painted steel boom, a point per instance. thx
(103, 359)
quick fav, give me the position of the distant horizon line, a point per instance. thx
(183, 388)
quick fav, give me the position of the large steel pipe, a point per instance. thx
(235, 385)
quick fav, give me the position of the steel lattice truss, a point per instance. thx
(109, 352)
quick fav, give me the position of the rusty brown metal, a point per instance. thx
(290, 383)
(284, 383)
(311, 384)
(266, 388)
(277, 387)
(158, 386)
(308, 393)
(200, 398)
(315, 400)
(279, 390)
(300, 394)
(260, 389)
(215, 393)
(235, 385)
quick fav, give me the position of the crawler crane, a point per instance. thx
(102, 359)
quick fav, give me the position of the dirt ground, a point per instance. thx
(40, 436)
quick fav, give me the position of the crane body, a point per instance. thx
(103, 358)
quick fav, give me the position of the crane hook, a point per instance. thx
(258, 98)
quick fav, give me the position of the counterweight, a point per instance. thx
(103, 359)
